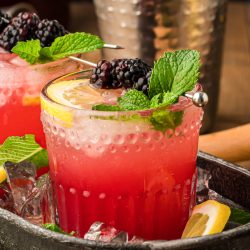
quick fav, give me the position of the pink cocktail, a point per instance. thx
(115, 167)
(20, 86)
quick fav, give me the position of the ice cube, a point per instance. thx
(99, 231)
(39, 207)
(33, 200)
(202, 185)
(6, 199)
(110, 96)
(136, 240)
(121, 237)
(21, 179)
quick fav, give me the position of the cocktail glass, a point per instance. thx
(117, 168)
(20, 87)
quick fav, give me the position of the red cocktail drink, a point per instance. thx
(117, 167)
(20, 86)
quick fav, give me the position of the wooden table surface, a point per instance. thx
(234, 107)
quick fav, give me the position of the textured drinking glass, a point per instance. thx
(20, 87)
(115, 167)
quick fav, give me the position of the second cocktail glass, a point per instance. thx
(20, 87)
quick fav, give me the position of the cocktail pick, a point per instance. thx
(83, 61)
(112, 46)
(199, 98)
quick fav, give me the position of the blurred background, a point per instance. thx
(227, 83)
(219, 29)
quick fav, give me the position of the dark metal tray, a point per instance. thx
(229, 180)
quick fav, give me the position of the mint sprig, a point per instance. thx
(176, 72)
(173, 75)
(55, 228)
(239, 216)
(73, 43)
(17, 149)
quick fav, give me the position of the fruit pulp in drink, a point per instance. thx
(122, 171)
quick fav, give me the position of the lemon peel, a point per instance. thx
(209, 217)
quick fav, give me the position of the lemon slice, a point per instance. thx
(75, 94)
(3, 174)
(209, 217)
(31, 100)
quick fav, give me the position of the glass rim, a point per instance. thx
(181, 105)
(38, 65)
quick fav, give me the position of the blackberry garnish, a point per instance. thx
(103, 77)
(21, 28)
(47, 31)
(4, 20)
(132, 73)
(127, 73)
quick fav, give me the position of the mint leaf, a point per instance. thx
(175, 72)
(239, 216)
(164, 99)
(134, 100)
(105, 107)
(55, 228)
(29, 51)
(72, 43)
(63, 46)
(169, 98)
(156, 101)
(163, 120)
(17, 149)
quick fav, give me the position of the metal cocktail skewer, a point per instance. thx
(199, 98)
(112, 46)
(82, 61)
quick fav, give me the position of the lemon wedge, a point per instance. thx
(209, 217)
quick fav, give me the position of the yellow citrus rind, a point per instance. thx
(31, 100)
(209, 217)
(3, 174)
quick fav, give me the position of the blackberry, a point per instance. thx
(127, 73)
(102, 76)
(47, 31)
(21, 28)
(132, 73)
(4, 20)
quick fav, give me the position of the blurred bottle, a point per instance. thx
(147, 28)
